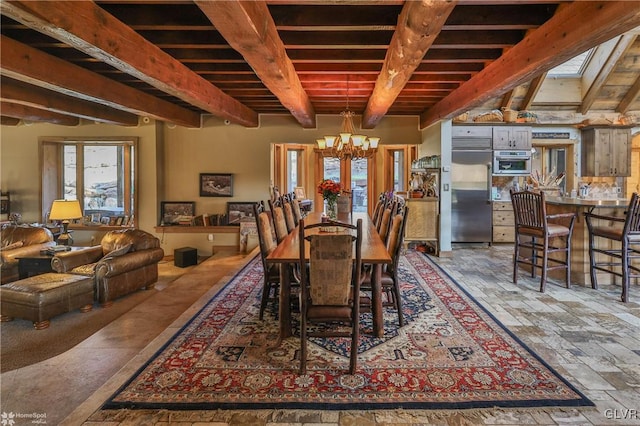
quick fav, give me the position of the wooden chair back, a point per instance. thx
(345, 202)
(278, 221)
(288, 216)
(530, 212)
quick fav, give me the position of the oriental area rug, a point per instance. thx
(451, 354)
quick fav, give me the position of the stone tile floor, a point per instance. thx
(588, 336)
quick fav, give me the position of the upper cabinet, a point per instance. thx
(512, 137)
(606, 151)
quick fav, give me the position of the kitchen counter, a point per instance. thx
(591, 203)
(580, 238)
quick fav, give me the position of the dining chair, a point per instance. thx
(385, 223)
(297, 211)
(389, 281)
(330, 287)
(345, 202)
(288, 216)
(384, 201)
(271, 282)
(535, 233)
(623, 255)
(377, 210)
(279, 222)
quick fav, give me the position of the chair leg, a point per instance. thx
(568, 261)
(534, 257)
(545, 264)
(398, 302)
(625, 271)
(355, 338)
(266, 290)
(516, 253)
(592, 262)
(303, 343)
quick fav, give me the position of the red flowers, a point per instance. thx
(329, 189)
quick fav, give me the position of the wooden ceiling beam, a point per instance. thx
(26, 94)
(629, 98)
(89, 28)
(9, 121)
(617, 54)
(418, 26)
(33, 66)
(532, 91)
(249, 29)
(573, 29)
(24, 112)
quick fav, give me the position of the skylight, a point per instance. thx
(573, 67)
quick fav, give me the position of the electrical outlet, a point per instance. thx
(210, 237)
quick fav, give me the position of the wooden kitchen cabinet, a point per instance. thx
(512, 137)
(606, 151)
(503, 222)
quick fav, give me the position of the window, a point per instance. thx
(294, 169)
(398, 171)
(573, 67)
(98, 173)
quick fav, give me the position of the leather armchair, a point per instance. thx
(20, 241)
(126, 260)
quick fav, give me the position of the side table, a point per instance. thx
(35, 264)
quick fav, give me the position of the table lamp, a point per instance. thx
(65, 210)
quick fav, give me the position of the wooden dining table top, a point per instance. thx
(373, 248)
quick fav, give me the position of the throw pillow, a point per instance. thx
(118, 252)
(12, 246)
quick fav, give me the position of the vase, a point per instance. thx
(331, 208)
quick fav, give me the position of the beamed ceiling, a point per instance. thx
(116, 61)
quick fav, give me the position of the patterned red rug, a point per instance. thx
(450, 354)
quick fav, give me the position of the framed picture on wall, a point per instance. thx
(216, 185)
(236, 211)
(299, 193)
(176, 212)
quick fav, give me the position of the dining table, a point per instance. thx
(374, 252)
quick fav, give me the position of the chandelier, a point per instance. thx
(347, 144)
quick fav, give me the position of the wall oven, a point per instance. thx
(511, 163)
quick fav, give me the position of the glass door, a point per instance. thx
(353, 175)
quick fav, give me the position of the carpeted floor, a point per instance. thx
(22, 345)
(451, 354)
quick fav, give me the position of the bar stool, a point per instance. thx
(534, 232)
(627, 240)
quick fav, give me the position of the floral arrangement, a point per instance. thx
(330, 191)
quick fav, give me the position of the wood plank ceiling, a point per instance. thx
(113, 61)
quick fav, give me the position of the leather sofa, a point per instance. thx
(125, 261)
(17, 241)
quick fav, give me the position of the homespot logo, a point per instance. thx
(16, 419)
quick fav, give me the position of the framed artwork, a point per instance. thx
(236, 211)
(176, 212)
(299, 193)
(216, 185)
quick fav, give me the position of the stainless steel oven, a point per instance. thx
(511, 163)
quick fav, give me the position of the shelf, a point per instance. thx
(178, 229)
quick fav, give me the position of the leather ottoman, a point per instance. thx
(42, 297)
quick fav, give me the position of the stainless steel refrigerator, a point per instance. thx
(471, 196)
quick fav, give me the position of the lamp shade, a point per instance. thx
(65, 210)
